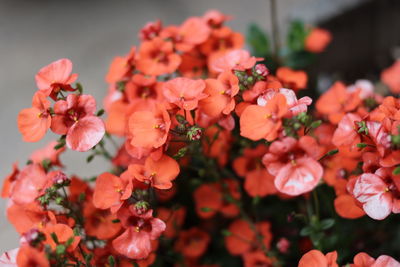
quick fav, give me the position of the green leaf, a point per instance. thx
(226, 232)
(111, 261)
(54, 237)
(306, 231)
(100, 112)
(258, 41)
(205, 209)
(361, 145)
(60, 249)
(327, 223)
(396, 171)
(296, 36)
(90, 158)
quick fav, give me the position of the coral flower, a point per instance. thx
(315, 258)
(292, 78)
(63, 233)
(184, 92)
(208, 199)
(317, 40)
(337, 101)
(347, 132)
(31, 183)
(257, 258)
(232, 60)
(29, 256)
(157, 57)
(221, 93)
(9, 181)
(100, 223)
(294, 164)
(76, 118)
(192, 32)
(391, 77)
(193, 243)
(158, 173)
(362, 259)
(258, 122)
(173, 219)
(55, 77)
(296, 106)
(111, 191)
(34, 122)
(26, 216)
(149, 128)
(140, 230)
(118, 69)
(378, 193)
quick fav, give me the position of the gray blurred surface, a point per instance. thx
(34, 33)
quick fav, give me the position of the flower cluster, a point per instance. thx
(215, 151)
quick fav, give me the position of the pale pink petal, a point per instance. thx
(85, 133)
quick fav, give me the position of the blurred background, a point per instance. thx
(91, 33)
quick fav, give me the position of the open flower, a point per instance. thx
(55, 77)
(158, 173)
(294, 164)
(75, 117)
(140, 230)
(263, 122)
(34, 122)
(184, 93)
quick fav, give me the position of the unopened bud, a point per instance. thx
(141, 207)
(261, 70)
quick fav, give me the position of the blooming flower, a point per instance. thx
(135, 241)
(75, 117)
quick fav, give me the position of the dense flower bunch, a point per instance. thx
(220, 160)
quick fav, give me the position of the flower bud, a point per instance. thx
(261, 71)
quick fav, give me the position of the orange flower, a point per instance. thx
(99, 223)
(119, 68)
(192, 32)
(317, 40)
(63, 233)
(257, 258)
(173, 218)
(208, 199)
(55, 77)
(149, 128)
(9, 181)
(157, 57)
(31, 183)
(391, 77)
(184, 93)
(26, 216)
(315, 258)
(257, 122)
(158, 173)
(242, 237)
(236, 59)
(34, 122)
(29, 256)
(111, 191)
(221, 93)
(192, 243)
(216, 144)
(293, 79)
(337, 101)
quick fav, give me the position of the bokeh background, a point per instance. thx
(34, 33)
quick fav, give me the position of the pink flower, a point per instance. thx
(378, 193)
(232, 60)
(294, 164)
(76, 118)
(135, 241)
(296, 106)
(55, 76)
